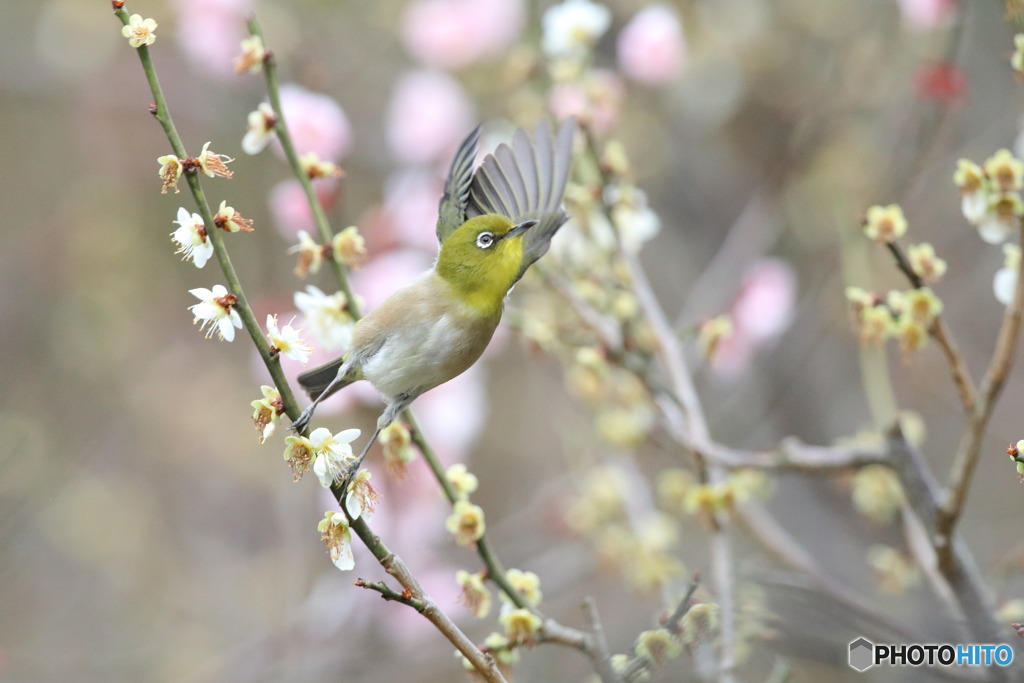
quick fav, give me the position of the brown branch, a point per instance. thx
(955, 562)
(388, 593)
(942, 336)
(969, 453)
(393, 565)
(793, 455)
(598, 645)
(590, 644)
(672, 621)
(695, 432)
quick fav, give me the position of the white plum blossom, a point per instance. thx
(327, 316)
(193, 244)
(336, 534)
(362, 498)
(572, 27)
(288, 340)
(139, 31)
(332, 454)
(216, 308)
(259, 129)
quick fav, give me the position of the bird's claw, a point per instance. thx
(302, 421)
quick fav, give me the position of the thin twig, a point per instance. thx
(672, 621)
(961, 375)
(495, 570)
(793, 455)
(394, 566)
(598, 650)
(388, 593)
(695, 430)
(995, 377)
(323, 227)
(163, 116)
(954, 560)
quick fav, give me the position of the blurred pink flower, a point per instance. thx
(763, 308)
(451, 34)
(410, 199)
(412, 518)
(386, 273)
(926, 15)
(454, 413)
(316, 122)
(291, 211)
(761, 311)
(596, 101)
(209, 32)
(732, 355)
(651, 47)
(428, 117)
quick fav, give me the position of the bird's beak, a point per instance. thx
(519, 229)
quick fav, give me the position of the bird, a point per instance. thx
(494, 221)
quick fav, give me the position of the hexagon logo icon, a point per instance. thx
(862, 653)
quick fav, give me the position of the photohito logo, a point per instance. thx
(864, 654)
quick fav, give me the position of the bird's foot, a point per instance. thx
(302, 421)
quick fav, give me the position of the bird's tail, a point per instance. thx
(316, 380)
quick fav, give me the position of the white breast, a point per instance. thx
(414, 361)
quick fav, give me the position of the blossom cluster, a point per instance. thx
(990, 196)
(904, 315)
(990, 199)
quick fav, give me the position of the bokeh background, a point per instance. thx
(146, 535)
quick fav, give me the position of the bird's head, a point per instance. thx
(482, 258)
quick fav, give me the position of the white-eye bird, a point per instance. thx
(493, 223)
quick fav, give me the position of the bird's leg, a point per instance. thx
(303, 420)
(359, 461)
(400, 403)
(386, 418)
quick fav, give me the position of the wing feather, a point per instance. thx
(562, 154)
(493, 173)
(526, 163)
(451, 212)
(485, 198)
(508, 166)
(526, 181)
(543, 152)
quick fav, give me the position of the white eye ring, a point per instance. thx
(485, 240)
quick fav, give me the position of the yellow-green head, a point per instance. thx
(481, 260)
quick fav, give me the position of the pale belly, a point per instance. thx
(426, 356)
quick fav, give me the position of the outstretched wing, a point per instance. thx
(526, 181)
(452, 211)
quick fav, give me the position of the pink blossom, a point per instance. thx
(732, 355)
(428, 116)
(288, 204)
(926, 15)
(412, 518)
(761, 311)
(651, 47)
(411, 197)
(454, 413)
(316, 122)
(596, 102)
(386, 273)
(763, 308)
(209, 32)
(451, 34)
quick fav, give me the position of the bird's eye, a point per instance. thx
(485, 240)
